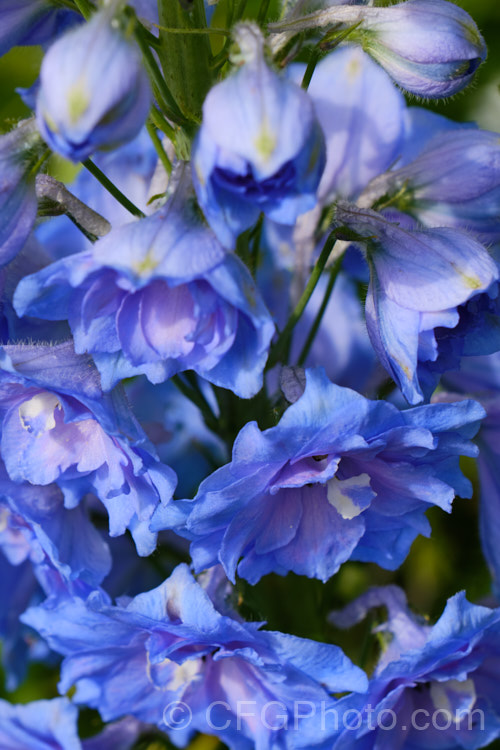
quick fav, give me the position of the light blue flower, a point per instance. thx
(57, 426)
(20, 151)
(26, 22)
(437, 686)
(431, 48)
(41, 725)
(362, 114)
(158, 296)
(481, 376)
(419, 277)
(18, 589)
(94, 92)
(37, 526)
(170, 645)
(52, 725)
(340, 477)
(259, 149)
(453, 181)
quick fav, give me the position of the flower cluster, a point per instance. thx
(251, 344)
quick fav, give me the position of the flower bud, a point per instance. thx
(431, 48)
(260, 147)
(94, 91)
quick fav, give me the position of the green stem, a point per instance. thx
(147, 36)
(319, 317)
(286, 333)
(86, 8)
(160, 89)
(254, 242)
(264, 7)
(334, 37)
(311, 65)
(36, 166)
(219, 59)
(162, 155)
(69, 4)
(209, 30)
(177, 136)
(185, 57)
(111, 188)
(328, 43)
(162, 124)
(197, 398)
(240, 10)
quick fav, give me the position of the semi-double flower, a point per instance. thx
(340, 477)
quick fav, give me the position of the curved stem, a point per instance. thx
(319, 317)
(280, 346)
(161, 91)
(161, 123)
(197, 398)
(111, 188)
(162, 155)
(311, 66)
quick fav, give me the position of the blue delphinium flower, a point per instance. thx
(18, 589)
(158, 296)
(12, 328)
(171, 647)
(419, 277)
(120, 735)
(453, 181)
(362, 114)
(340, 477)
(434, 687)
(39, 539)
(57, 426)
(441, 181)
(94, 91)
(431, 48)
(20, 150)
(475, 332)
(481, 376)
(259, 148)
(421, 126)
(36, 524)
(52, 725)
(41, 725)
(25, 22)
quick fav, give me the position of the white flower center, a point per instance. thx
(340, 491)
(37, 415)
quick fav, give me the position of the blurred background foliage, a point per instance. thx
(437, 567)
